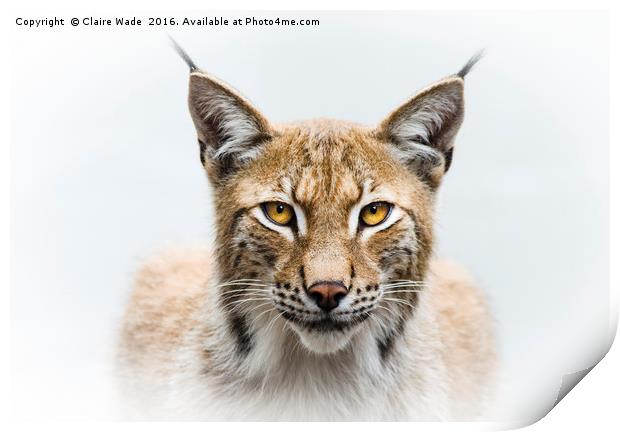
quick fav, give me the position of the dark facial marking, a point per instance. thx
(412, 216)
(393, 256)
(302, 275)
(448, 156)
(264, 255)
(239, 328)
(386, 344)
(235, 221)
(203, 147)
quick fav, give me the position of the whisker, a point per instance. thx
(260, 314)
(404, 280)
(244, 284)
(399, 301)
(241, 294)
(387, 309)
(380, 321)
(261, 303)
(246, 290)
(355, 317)
(239, 281)
(236, 304)
(374, 317)
(250, 299)
(416, 287)
(403, 291)
(297, 345)
(273, 321)
(404, 284)
(237, 307)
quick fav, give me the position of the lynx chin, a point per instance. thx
(321, 298)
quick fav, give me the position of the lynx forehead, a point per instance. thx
(323, 300)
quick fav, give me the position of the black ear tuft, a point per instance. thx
(181, 52)
(470, 64)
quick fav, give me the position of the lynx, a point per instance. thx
(321, 298)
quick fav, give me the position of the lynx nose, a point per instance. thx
(327, 294)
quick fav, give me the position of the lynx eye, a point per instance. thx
(278, 212)
(375, 213)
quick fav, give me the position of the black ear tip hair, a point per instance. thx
(181, 52)
(470, 64)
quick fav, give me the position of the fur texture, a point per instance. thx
(234, 334)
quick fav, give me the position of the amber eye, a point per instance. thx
(375, 213)
(278, 212)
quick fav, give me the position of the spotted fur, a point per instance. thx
(234, 334)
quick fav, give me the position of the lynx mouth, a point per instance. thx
(329, 322)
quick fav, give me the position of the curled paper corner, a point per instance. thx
(569, 381)
(545, 405)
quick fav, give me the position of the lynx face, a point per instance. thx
(324, 225)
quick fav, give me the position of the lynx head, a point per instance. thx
(325, 226)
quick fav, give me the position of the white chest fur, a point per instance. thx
(280, 380)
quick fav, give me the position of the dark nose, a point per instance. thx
(327, 295)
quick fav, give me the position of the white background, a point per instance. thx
(106, 169)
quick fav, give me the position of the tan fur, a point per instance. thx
(169, 293)
(169, 289)
(466, 329)
(239, 335)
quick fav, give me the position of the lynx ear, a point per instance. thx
(422, 130)
(230, 131)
